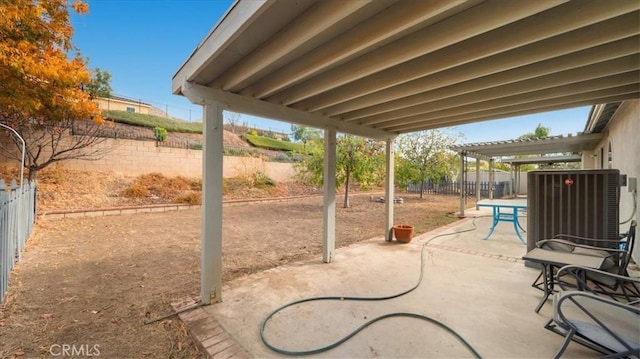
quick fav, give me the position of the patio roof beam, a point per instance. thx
(502, 97)
(236, 19)
(381, 28)
(541, 159)
(539, 29)
(252, 106)
(607, 63)
(585, 99)
(314, 21)
(473, 154)
(440, 35)
(427, 124)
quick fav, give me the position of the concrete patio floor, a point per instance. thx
(479, 288)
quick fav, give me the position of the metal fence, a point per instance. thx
(454, 187)
(17, 216)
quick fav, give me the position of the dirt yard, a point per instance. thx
(91, 283)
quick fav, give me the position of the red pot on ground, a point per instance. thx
(403, 233)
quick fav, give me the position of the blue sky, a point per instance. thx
(142, 43)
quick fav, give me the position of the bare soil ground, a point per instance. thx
(95, 281)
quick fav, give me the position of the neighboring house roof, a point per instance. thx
(381, 68)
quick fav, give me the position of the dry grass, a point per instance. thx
(61, 189)
(157, 185)
(97, 279)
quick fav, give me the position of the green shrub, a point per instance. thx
(160, 133)
(262, 180)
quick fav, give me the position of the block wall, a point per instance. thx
(133, 157)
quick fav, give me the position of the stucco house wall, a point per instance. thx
(123, 104)
(623, 133)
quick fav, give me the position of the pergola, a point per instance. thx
(386, 67)
(553, 149)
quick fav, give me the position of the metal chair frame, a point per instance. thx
(604, 335)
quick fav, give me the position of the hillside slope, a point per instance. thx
(144, 133)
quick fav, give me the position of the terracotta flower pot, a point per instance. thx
(403, 233)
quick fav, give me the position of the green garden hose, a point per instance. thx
(356, 331)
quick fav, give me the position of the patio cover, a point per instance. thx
(538, 146)
(386, 67)
(560, 149)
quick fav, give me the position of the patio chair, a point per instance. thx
(593, 320)
(616, 261)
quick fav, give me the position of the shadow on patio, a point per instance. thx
(479, 288)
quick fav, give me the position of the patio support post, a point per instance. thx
(329, 211)
(512, 181)
(491, 179)
(211, 256)
(462, 176)
(517, 185)
(477, 182)
(389, 191)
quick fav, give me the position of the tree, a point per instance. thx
(423, 156)
(46, 94)
(357, 160)
(100, 84)
(233, 119)
(305, 134)
(539, 132)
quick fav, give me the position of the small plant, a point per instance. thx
(195, 185)
(160, 134)
(240, 152)
(283, 157)
(136, 190)
(261, 180)
(193, 198)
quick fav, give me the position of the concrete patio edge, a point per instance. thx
(208, 334)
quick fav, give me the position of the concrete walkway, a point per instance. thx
(479, 288)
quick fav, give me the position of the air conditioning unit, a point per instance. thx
(580, 202)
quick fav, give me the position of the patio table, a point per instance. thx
(511, 215)
(550, 259)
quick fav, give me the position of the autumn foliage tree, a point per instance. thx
(43, 92)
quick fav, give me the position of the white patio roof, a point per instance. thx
(552, 144)
(380, 68)
(385, 67)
